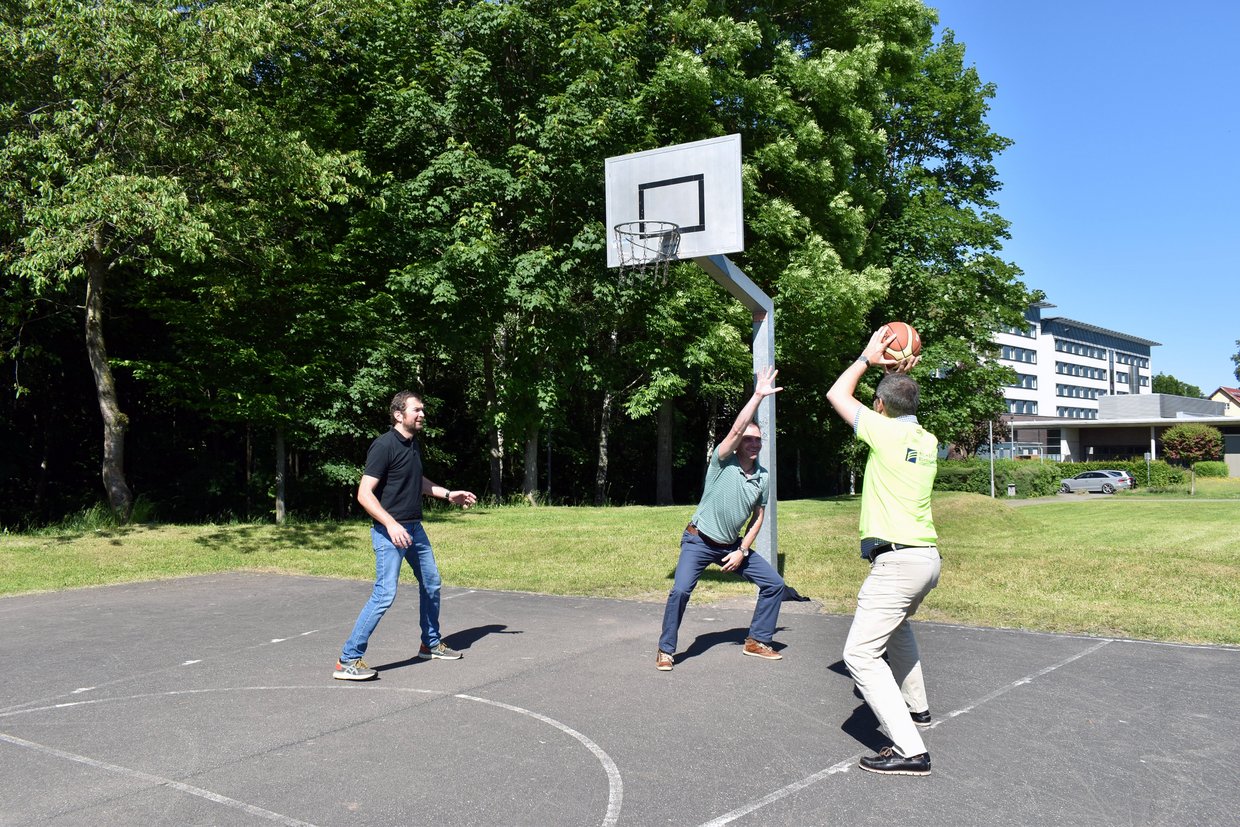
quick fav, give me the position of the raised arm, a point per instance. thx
(764, 386)
(841, 396)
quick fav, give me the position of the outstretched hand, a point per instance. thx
(464, 499)
(764, 385)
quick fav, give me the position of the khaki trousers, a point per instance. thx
(897, 583)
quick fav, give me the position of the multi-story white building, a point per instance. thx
(1064, 366)
(1085, 393)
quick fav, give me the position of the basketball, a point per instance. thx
(907, 343)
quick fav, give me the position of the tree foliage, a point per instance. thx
(137, 140)
(1166, 383)
(1192, 442)
(296, 209)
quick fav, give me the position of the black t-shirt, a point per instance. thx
(397, 463)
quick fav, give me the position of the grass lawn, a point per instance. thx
(1164, 568)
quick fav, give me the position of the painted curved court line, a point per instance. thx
(615, 784)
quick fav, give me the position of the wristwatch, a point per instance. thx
(745, 552)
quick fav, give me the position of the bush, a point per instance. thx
(1032, 479)
(1191, 442)
(1040, 479)
(1211, 468)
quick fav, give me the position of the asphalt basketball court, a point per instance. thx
(209, 700)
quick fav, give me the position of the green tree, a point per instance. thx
(1192, 442)
(1166, 383)
(942, 236)
(1235, 360)
(137, 139)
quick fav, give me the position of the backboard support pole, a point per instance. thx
(744, 290)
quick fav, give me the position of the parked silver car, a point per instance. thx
(1106, 482)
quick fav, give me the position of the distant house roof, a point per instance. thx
(1232, 394)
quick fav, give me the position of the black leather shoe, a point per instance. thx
(888, 763)
(922, 719)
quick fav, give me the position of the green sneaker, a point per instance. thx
(354, 670)
(439, 651)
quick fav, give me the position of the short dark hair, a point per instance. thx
(399, 400)
(900, 394)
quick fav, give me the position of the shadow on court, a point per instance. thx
(209, 700)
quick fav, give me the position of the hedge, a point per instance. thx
(1211, 468)
(1034, 478)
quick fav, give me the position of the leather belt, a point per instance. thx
(886, 547)
(692, 529)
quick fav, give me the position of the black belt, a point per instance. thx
(692, 529)
(886, 547)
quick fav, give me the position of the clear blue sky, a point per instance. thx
(1123, 183)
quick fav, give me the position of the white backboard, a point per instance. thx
(695, 185)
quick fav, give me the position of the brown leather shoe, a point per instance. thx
(663, 661)
(760, 650)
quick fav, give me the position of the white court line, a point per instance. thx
(158, 781)
(615, 784)
(847, 763)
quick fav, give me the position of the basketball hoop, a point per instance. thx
(646, 248)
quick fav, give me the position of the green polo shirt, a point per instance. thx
(728, 498)
(899, 476)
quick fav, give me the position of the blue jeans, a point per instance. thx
(387, 571)
(695, 556)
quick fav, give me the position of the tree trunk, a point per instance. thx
(249, 466)
(712, 423)
(115, 423)
(495, 434)
(604, 431)
(797, 475)
(529, 486)
(280, 464)
(45, 464)
(663, 453)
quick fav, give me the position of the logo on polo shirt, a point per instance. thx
(910, 455)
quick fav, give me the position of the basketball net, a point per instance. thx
(646, 249)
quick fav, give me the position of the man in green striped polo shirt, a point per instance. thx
(735, 492)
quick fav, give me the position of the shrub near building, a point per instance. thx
(1211, 468)
(1041, 479)
(1032, 479)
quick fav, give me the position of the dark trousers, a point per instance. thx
(695, 556)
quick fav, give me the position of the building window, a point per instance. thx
(1077, 392)
(1018, 354)
(1083, 371)
(1026, 381)
(1121, 377)
(1022, 406)
(1078, 349)
(1028, 331)
(1076, 413)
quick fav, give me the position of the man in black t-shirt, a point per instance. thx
(391, 491)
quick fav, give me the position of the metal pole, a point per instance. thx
(990, 428)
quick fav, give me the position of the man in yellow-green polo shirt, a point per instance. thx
(899, 541)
